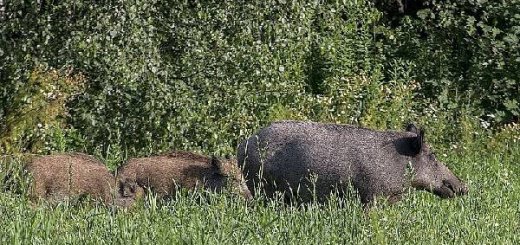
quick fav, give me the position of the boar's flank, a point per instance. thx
(287, 155)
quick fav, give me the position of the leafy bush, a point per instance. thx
(202, 75)
(14, 178)
(38, 112)
(466, 52)
(192, 75)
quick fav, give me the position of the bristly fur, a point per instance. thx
(188, 155)
(285, 156)
(164, 174)
(70, 175)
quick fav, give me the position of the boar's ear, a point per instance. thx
(412, 128)
(418, 142)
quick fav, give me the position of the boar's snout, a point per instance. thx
(228, 168)
(435, 177)
(464, 190)
(240, 187)
(451, 189)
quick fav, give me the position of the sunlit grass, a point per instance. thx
(490, 213)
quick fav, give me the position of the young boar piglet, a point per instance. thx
(70, 175)
(164, 174)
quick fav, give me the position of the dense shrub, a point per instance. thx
(37, 114)
(200, 75)
(466, 52)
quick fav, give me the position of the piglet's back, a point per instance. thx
(67, 175)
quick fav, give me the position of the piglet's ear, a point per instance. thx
(216, 162)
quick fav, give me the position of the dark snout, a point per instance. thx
(463, 190)
(451, 189)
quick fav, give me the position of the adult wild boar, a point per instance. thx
(164, 174)
(307, 158)
(70, 175)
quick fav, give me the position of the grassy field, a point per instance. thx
(490, 214)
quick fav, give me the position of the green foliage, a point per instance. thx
(201, 76)
(38, 111)
(14, 179)
(466, 52)
(197, 76)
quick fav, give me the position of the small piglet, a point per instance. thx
(164, 174)
(67, 176)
